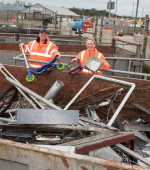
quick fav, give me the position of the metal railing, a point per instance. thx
(110, 70)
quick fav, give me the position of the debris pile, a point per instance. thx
(90, 125)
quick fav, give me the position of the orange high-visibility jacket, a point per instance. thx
(84, 55)
(40, 51)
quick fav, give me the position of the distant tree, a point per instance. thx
(19, 3)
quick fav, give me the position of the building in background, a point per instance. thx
(49, 10)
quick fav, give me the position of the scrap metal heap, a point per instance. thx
(84, 123)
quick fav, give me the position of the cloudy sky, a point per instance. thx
(124, 7)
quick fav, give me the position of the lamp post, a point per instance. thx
(136, 15)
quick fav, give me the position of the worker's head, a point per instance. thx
(43, 34)
(90, 44)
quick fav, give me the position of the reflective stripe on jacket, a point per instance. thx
(84, 55)
(40, 51)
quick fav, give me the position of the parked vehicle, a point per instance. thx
(7, 24)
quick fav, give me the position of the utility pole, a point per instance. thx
(109, 12)
(101, 27)
(96, 19)
(145, 35)
(133, 10)
(142, 12)
(136, 15)
(116, 8)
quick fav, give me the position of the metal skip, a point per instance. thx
(54, 90)
(53, 117)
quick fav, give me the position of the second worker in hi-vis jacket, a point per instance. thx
(91, 51)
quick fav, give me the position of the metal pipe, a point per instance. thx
(7, 120)
(63, 55)
(127, 72)
(25, 58)
(54, 90)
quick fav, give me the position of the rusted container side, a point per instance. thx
(35, 157)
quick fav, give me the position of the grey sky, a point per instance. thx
(124, 7)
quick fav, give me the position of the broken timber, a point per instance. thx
(100, 143)
(33, 94)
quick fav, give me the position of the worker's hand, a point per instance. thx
(75, 59)
(59, 56)
(103, 63)
(22, 45)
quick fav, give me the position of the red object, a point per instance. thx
(87, 24)
(129, 147)
(106, 28)
(148, 33)
(13, 19)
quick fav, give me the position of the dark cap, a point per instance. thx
(43, 30)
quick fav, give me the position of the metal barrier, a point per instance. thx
(127, 73)
(56, 41)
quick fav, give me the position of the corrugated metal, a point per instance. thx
(11, 7)
(43, 158)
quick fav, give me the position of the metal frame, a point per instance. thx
(111, 80)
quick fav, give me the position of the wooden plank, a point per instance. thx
(142, 107)
(90, 146)
(60, 127)
(98, 124)
(89, 139)
(133, 154)
(118, 119)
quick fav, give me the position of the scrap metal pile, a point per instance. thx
(58, 121)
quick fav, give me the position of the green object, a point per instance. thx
(30, 79)
(61, 66)
(136, 15)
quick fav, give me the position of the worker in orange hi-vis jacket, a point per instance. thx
(91, 50)
(41, 49)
